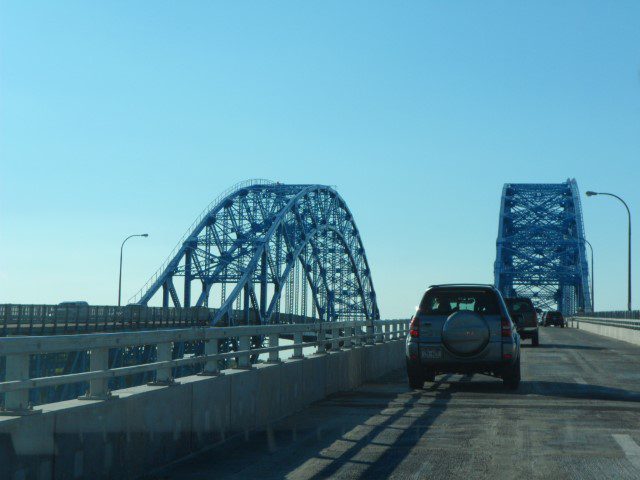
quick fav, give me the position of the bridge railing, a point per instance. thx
(24, 319)
(610, 322)
(18, 352)
(621, 314)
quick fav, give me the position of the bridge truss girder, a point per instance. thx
(268, 249)
(540, 251)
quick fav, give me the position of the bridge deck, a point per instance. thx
(576, 415)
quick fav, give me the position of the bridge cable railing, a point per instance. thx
(19, 352)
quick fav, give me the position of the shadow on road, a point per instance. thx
(395, 453)
(560, 346)
(545, 388)
(330, 435)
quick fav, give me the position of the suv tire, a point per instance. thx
(511, 379)
(416, 379)
(535, 341)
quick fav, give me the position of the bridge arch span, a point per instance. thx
(264, 250)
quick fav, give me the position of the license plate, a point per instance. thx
(431, 353)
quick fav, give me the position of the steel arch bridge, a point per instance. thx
(267, 252)
(540, 251)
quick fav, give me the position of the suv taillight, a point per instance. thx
(414, 327)
(505, 325)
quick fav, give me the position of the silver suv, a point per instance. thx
(462, 329)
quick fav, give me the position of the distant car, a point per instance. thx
(70, 311)
(462, 329)
(553, 317)
(525, 317)
(80, 303)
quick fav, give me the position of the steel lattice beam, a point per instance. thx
(263, 239)
(540, 250)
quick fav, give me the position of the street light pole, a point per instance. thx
(121, 248)
(591, 194)
(593, 273)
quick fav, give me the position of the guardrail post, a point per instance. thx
(355, 331)
(99, 387)
(322, 339)
(348, 332)
(370, 335)
(17, 368)
(244, 359)
(379, 337)
(163, 375)
(298, 339)
(335, 338)
(274, 355)
(210, 366)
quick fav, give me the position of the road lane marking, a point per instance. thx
(630, 448)
(580, 380)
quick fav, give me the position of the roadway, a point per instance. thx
(576, 415)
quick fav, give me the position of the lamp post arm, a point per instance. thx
(120, 275)
(629, 255)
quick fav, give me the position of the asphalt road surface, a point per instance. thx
(576, 415)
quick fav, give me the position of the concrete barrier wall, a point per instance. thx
(147, 426)
(624, 334)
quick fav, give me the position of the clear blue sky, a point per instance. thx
(118, 117)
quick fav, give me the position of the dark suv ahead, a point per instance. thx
(462, 329)
(525, 317)
(553, 317)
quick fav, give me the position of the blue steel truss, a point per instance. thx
(540, 250)
(268, 252)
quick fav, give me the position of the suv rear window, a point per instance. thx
(554, 315)
(519, 305)
(445, 302)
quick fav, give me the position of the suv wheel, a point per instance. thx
(416, 380)
(535, 341)
(511, 379)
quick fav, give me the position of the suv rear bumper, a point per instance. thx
(557, 323)
(493, 368)
(528, 332)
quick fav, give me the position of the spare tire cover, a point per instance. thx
(465, 333)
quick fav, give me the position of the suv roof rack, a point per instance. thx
(463, 285)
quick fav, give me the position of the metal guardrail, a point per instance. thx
(610, 322)
(621, 314)
(67, 319)
(20, 319)
(17, 352)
